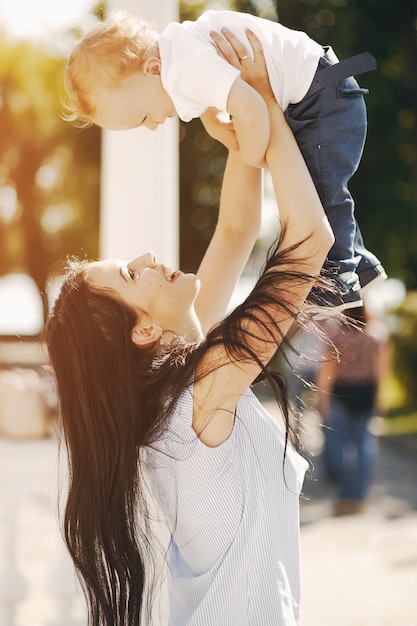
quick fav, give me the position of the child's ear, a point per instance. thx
(145, 336)
(152, 66)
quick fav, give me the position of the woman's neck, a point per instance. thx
(190, 328)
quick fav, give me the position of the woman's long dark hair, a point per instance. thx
(115, 398)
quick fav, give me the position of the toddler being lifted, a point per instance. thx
(123, 74)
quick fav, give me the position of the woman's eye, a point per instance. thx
(131, 273)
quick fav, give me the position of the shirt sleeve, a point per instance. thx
(193, 74)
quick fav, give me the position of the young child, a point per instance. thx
(123, 74)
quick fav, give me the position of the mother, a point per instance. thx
(155, 401)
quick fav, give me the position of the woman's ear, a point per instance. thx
(145, 336)
(152, 66)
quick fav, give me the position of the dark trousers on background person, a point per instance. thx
(349, 451)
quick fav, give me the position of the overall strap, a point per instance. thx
(331, 74)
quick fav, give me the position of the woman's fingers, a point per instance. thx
(234, 51)
(258, 52)
(238, 47)
(225, 49)
(251, 63)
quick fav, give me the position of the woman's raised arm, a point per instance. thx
(236, 232)
(306, 241)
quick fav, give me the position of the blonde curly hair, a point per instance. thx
(110, 52)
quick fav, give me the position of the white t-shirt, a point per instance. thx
(233, 516)
(196, 77)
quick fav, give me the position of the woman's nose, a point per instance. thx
(144, 260)
(151, 258)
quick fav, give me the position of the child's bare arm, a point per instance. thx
(248, 130)
(219, 125)
(251, 122)
(244, 100)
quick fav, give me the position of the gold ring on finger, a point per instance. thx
(245, 56)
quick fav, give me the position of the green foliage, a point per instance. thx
(49, 173)
(404, 338)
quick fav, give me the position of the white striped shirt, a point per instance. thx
(233, 515)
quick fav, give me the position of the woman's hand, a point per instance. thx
(251, 64)
(248, 98)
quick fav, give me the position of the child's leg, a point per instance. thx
(330, 129)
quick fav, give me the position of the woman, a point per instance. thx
(154, 396)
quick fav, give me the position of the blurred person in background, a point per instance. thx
(348, 389)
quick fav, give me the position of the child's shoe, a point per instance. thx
(371, 277)
(323, 303)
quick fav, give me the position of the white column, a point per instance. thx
(139, 189)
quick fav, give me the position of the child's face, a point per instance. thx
(140, 100)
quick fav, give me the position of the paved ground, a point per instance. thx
(357, 571)
(362, 570)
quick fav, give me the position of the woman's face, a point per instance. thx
(166, 296)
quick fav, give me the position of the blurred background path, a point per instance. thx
(362, 570)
